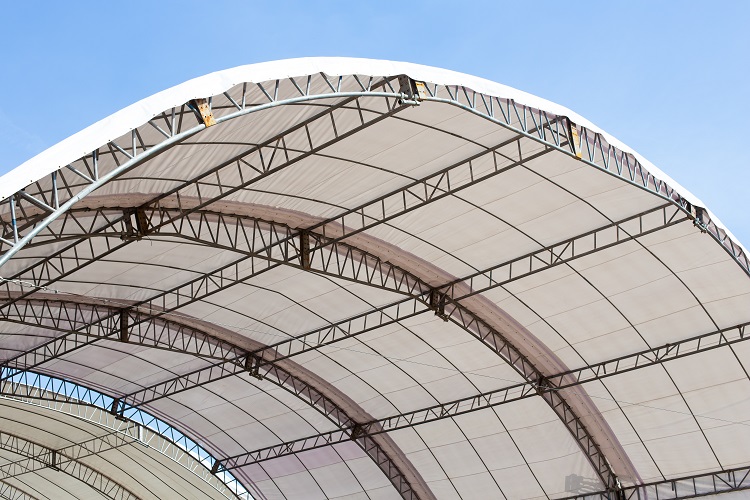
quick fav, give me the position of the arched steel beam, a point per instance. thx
(125, 429)
(66, 460)
(283, 245)
(130, 226)
(577, 141)
(198, 338)
(434, 187)
(555, 133)
(127, 152)
(502, 157)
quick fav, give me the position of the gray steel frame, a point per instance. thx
(11, 492)
(588, 146)
(145, 330)
(277, 157)
(66, 460)
(216, 228)
(164, 334)
(92, 171)
(125, 428)
(554, 133)
(282, 245)
(498, 397)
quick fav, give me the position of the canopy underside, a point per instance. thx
(370, 286)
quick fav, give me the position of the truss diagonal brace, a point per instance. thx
(498, 397)
(11, 492)
(165, 334)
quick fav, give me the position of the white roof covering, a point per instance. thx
(128, 118)
(406, 252)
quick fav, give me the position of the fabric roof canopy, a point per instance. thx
(344, 278)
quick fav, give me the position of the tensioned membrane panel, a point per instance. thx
(473, 250)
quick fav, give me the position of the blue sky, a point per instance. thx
(670, 79)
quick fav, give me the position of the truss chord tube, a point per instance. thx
(563, 380)
(57, 347)
(603, 163)
(215, 224)
(266, 166)
(134, 161)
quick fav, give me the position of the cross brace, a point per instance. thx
(434, 192)
(547, 387)
(344, 261)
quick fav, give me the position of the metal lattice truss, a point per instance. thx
(66, 460)
(59, 228)
(123, 428)
(700, 485)
(179, 338)
(10, 492)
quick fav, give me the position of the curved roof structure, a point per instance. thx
(344, 278)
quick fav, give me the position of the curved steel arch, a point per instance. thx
(10, 492)
(65, 460)
(94, 177)
(211, 342)
(577, 141)
(555, 133)
(283, 245)
(137, 426)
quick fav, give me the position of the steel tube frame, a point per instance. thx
(11, 492)
(135, 425)
(177, 337)
(136, 160)
(66, 460)
(237, 358)
(598, 154)
(557, 144)
(402, 281)
(505, 395)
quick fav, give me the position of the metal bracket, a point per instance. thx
(141, 229)
(304, 249)
(575, 141)
(542, 385)
(215, 467)
(357, 431)
(203, 111)
(117, 408)
(124, 326)
(413, 90)
(698, 221)
(252, 365)
(437, 304)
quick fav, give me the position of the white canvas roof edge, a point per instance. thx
(135, 115)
